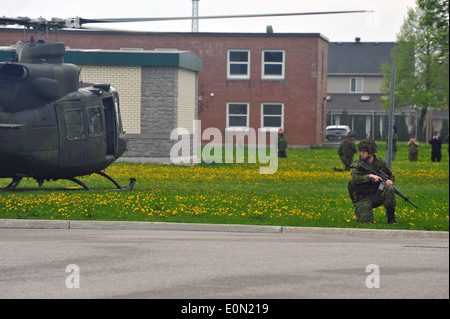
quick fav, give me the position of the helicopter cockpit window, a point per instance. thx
(95, 121)
(74, 124)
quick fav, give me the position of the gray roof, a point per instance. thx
(358, 57)
(359, 103)
(353, 104)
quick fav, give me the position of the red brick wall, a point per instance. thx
(302, 91)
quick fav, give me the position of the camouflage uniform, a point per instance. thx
(413, 152)
(365, 193)
(394, 145)
(282, 144)
(346, 150)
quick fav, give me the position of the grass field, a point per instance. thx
(305, 191)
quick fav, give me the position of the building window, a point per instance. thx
(238, 64)
(272, 115)
(356, 85)
(273, 65)
(237, 114)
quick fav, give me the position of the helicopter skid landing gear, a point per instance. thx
(73, 179)
(128, 188)
(13, 183)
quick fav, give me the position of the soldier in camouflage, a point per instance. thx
(282, 144)
(364, 186)
(346, 151)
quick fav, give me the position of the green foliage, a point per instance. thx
(421, 61)
(402, 129)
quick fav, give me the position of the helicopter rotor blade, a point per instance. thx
(39, 23)
(25, 21)
(118, 20)
(18, 20)
(77, 22)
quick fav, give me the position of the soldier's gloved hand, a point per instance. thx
(375, 178)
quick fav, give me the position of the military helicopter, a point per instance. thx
(52, 125)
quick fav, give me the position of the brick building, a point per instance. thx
(248, 80)
(252, 80)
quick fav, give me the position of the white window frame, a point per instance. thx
(359, 83)
(247, 115)
(229, 63)
(264, 63)
(272, 128)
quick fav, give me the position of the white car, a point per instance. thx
(337, 132)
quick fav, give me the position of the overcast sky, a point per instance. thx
(381, 25)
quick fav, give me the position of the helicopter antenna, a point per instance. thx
(195, 15)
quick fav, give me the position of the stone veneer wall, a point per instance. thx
(159, 113)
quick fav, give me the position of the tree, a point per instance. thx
(421, 61)
(435, 17)
(402, 128)
(360, 127)
(444, 130)
(345, 118)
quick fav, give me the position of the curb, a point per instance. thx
(173, 226)
(122, 225)
(119, 225)
(400, 233)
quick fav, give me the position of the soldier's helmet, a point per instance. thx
(351, 134)
(367, 145)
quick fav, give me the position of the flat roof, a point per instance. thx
(177, 59)
(189, 34)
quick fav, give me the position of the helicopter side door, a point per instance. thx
(82, 134)
(111, 128)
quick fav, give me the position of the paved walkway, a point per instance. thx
(120, 225)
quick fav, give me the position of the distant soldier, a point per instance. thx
(436, 144)
(413, 152)
(394, 144)
(346, 151)
(282, 144)
(364, 187)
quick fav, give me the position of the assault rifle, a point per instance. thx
(384, 178)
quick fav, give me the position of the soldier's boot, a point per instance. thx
(391, 216)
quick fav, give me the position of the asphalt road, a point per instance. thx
(101, 263)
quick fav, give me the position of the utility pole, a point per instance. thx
(195, 15)
(391, 119)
